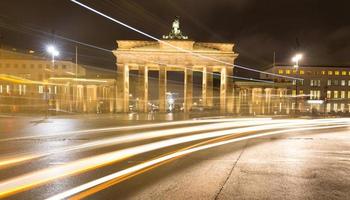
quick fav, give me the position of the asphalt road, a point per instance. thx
(162, 157)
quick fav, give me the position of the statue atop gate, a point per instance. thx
(175, 33)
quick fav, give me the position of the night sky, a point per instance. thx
(319, 29)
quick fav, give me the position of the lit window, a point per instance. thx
(302, 72)
(330, 72)
(311, 82)
(323, 72)
(8, 89)
(348, 94)
(336, 94)
(342, 94)
(301, 92)
(336, 73)
(0, 88)
(329, 94)
(342, 82)
(41, 89)
(280, 71)
(343, 73)
(287, 71)
(329, 82)
(294, 71)
(294, 93)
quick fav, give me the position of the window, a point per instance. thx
(301, 72)
(287, 71)
(348, 94)
(335, 107)
(0, 89)
(295, 82)
(294, 71)
(328, 107)
(323, 72)
(24, 65)
(342, 107)
(330, 72)
(301, 92)
(329, 94)
(343, 73)
(336, 82)
(336, 94)
(280, 71)
(8, 89)
(329, 82)
(343, 83)
(41, 89)
(294, 93)
(311, 82)
(342, 94)
(336, 73)
(348, 82)
(315, 94)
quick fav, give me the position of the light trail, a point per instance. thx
(176, 47)
(128, 128)
(33, 179)
(160, 160)
(130, 138)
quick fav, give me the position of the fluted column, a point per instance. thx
(207, 87)
(188, 90)
(143, 88)
(229, 90)
(226, 86)
(123, 88)
(162, 88)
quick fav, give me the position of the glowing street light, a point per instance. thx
(53, 52)
(296, 59)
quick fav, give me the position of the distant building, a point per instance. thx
(31, 83)
(31, 66)
(324, 88)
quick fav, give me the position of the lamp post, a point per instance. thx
(51, 49)
(296, 60)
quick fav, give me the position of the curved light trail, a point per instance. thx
(36, 178)
(159, 160)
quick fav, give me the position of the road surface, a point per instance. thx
(123, 157)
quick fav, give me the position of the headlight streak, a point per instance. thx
(130, 138)
(163, 159)
(128, 128)
(39, 177)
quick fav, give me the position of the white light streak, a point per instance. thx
(176, 47)
(139, 167)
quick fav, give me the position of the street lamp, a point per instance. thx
(51, 49)
(296, 60)
(53, 52)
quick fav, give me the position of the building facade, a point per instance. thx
(324, 89)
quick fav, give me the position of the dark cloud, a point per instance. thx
(259, 28)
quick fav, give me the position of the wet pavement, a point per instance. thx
(309, 163)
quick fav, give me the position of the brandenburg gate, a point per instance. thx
(145, 56)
